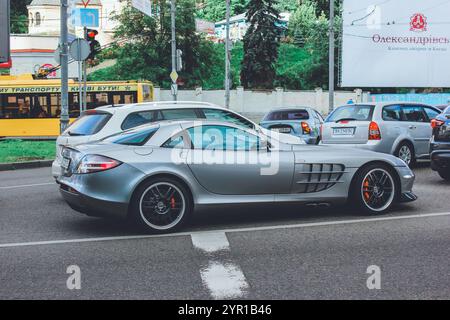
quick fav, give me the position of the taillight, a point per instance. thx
(374, 131)
(95, 163)
(435, 123)
(305, 127)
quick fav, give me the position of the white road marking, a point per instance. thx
(210, 241)
(28, 185)
(250, 229)
(224, 281)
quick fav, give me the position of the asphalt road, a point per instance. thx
(240, 253)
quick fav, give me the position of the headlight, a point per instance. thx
(95, 163)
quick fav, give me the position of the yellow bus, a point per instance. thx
(31, 108)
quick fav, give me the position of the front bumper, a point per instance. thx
(440, 160)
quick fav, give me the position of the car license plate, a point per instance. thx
(343, 131)
(282, 130)
(65, 163)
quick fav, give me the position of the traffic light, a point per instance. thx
(90, 35)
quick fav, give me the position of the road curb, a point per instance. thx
(25, 165)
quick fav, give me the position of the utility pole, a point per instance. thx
(331, 59)
(174, 49)
(63, 54)
(85, 76)
(227, 55)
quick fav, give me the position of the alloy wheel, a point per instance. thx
(405, 154)
(162, 205)
(378, 190)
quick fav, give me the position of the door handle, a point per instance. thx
(412, 127)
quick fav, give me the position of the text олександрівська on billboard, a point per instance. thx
(396, 43)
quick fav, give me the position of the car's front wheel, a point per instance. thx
(374, 189)
(445, 174)
(161, 205)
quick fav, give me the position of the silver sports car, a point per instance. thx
(158, 174)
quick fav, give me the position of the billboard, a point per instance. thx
(204, 26)
(4, 31)
(396, 43)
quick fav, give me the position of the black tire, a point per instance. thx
(445, 174)
(363, 186)
(408, 146)
(148, 206)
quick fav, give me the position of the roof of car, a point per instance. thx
(290, 109)
(161, 105)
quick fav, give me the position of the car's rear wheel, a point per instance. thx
(161, 205)
(406, 152)
(374, 189)
(445, 174)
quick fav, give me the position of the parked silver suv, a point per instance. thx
(399, 128)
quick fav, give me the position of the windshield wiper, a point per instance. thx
(346, 119)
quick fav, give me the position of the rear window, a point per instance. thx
(351, 113)
(88, 124)
(134, 137)
(287, 115)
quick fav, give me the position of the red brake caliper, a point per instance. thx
(366, 189)
(172, 202)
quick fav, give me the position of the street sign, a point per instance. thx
(82, 17)
(145, 6)
(79, 49)
(174, 76)
(204, 26)
(85, 2)
(4, 31)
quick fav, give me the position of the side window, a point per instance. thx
(431, 113)
(392, 113)
(178, 114)
(222, 138)
(176, 141)
(221, 115)
(414, 114)
(136, 119)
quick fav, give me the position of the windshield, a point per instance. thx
(134, 137)
(88, 124)
(351, 113)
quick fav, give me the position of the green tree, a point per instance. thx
(260, 45)
(214, 10)
(19, 16)
(143, 47)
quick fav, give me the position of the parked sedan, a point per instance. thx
(301, 122)
(102, 122)
(440, 144)
(157, 175)
(401, 129)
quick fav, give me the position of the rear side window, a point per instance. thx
(89, 124)
(136, 119)
(133, 137)
(392, 113)
(352, 113)
(177, 114)
(287, 115)
(431, 113)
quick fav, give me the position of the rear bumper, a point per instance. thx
(56, 169)
(440, 160)
(91, 206)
